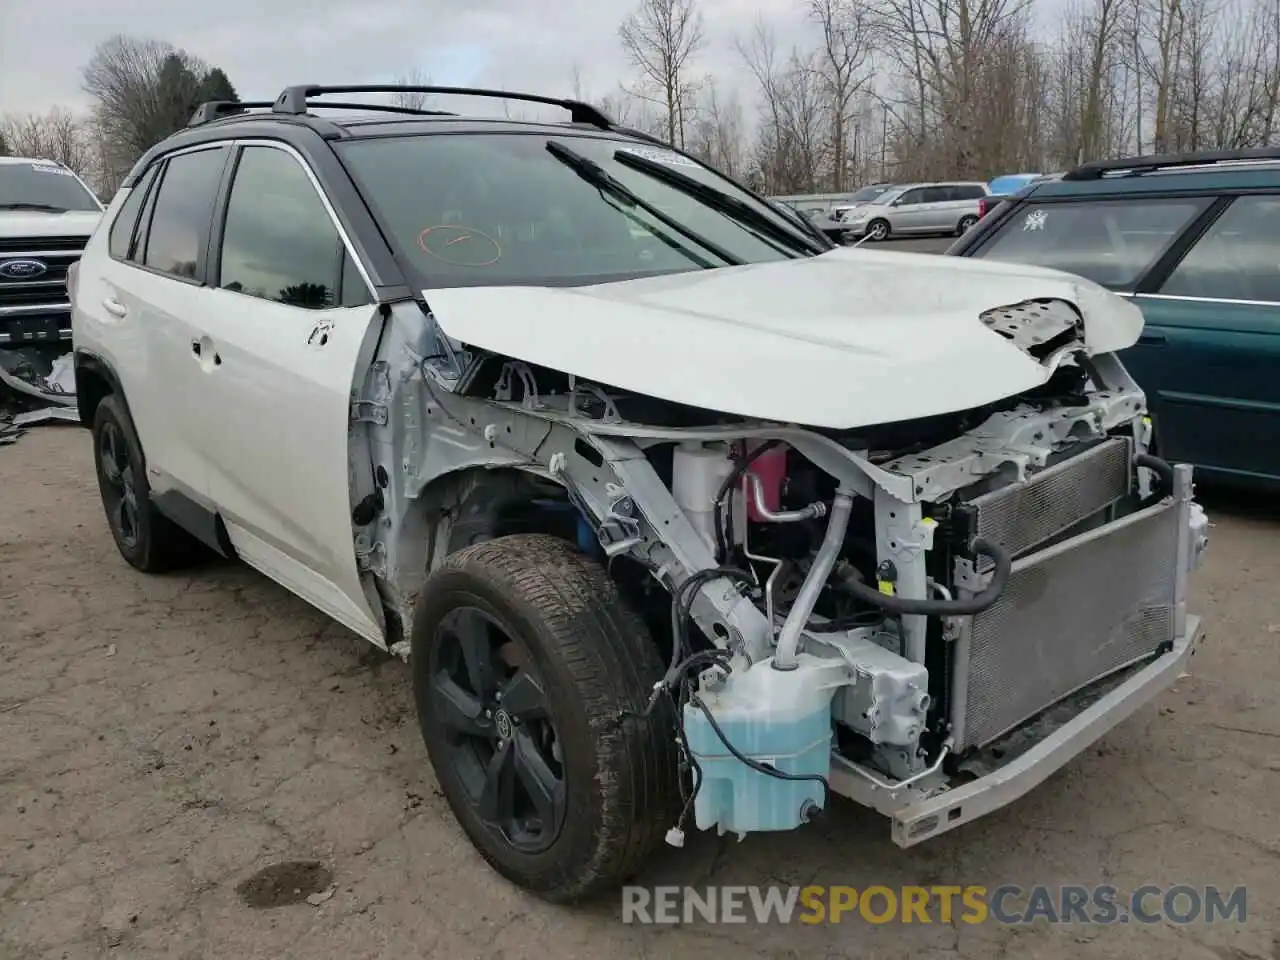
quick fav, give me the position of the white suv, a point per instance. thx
(680, 515)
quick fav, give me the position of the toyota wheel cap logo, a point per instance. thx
(22, 269)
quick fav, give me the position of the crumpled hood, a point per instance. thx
(20, 224)
(851, 338)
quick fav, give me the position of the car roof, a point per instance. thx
(297, 110)
(1161, 174)
(40, 160)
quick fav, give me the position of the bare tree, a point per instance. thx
(717, 132)
(412, 99)
(661, 39)
(58, 135)
(960, 56)
(144, 90)
(843, 65)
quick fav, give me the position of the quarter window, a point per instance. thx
(1111, 242)
(180, 221)
(1238, 258)
(120, 242)
(279, 242)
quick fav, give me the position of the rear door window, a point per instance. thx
(179, 225)
(968, 191)
(1238, 258)
(1111, 242)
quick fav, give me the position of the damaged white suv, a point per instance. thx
(681, 516)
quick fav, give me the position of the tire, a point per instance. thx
(147, 539)
(878, 230)
(966, 224)
(587, 664)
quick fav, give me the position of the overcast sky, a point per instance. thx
(265, 45)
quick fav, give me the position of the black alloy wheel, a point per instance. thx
(501, 737)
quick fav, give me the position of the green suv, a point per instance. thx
(1194, 240)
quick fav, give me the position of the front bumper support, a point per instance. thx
(918, 813)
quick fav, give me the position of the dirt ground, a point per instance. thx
(162, 739)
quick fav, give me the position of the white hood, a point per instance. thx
(847, 339)
(20, 224)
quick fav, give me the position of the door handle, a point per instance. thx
(197, 350)
(114, 307)
(1151, 338)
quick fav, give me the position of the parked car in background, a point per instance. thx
(47, 214)
(916, 209)
(819, 210)
(859, 197)
(1003, 188)
(1193, 240)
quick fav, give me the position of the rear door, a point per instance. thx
(150, 291)
(1210, 353)
(290, 319)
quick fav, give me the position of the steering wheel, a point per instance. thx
(460, 245)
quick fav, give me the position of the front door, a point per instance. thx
(908, 211)
(1209, 355)
(288, 320)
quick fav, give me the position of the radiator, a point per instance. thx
(1021, 516)
(1071, 614)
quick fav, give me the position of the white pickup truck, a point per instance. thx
(47, 215)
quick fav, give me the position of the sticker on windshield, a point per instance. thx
(1036, 220)
(50, 168)
(660, 156)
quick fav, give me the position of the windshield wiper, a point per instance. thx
(600, 178)
(731, 207)
(25, 205)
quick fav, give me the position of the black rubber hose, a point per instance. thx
(940, 608)
(682, 601)
(1161, 468)
(723, 538)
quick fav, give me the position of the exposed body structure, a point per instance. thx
(694, 548)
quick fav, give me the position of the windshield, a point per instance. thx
(500, 208)
(888, 196)
(869, 193)
(36, 185)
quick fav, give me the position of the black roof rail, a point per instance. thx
(1096, 169)
(212, 110)
(383, 107)
(294, 100)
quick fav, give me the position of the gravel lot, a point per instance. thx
(163, 738)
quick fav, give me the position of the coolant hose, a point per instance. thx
(1160, 468)
(784, 657)
(911, 606)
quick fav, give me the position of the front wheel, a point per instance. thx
(878, 230)
(530, 674)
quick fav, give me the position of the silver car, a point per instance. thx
(918, 208)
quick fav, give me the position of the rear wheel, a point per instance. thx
(529, 674)
(878, 230)
(147, 539)
(965, 225)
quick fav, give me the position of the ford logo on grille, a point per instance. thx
(22, 269)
